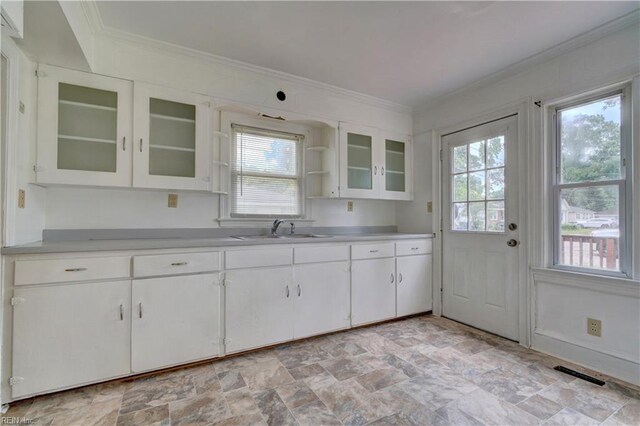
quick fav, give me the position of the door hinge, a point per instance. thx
(16, 300)
(15, 380)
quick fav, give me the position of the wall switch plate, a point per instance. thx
(349, 206)
(429, 207)
(21, 198)
(594, 327)
(173, 201)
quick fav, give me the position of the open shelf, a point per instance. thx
(318, 172)
(366, 169)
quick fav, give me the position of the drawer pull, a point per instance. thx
(373, 251)
(179, 263)
(121, 312)
(75, 269)
(415, 248)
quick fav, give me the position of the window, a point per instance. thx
(477, 179)
(590, 183)
(265, 173)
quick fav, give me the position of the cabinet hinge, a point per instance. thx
(37, 168)
(15, 380)
(16, 300)
(440, 155)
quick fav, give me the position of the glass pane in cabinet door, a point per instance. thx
(172, 138)
(359, 161)
(394, 165)
(87, 128)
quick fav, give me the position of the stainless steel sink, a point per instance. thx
(281, 236)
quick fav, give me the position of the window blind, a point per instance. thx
(265, 173)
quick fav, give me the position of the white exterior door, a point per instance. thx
(321, 298)
(480, 235)
(70, 334)
(84, 128)
(172, 146)
(258, 307)
(414, 284)
(174, 320)
(373, 290)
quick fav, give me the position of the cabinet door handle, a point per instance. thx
(299, 291)
(400, 278)
(140, 310)
(140, 144)
(121, 312)
(124, 143)
(179, 263)
(392, 278)
(382, 170)
(75, 269)
(375, 170)
(287, 291)
(414, 248)
(373, 251)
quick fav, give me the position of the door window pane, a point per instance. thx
(476, 217)
(459, 216)
(590, 147)
(495, 152)
(495, 216)
(459, 159)
(359, 161)
(476, 186)
(495, 184)
(476, 156)
(460, 187)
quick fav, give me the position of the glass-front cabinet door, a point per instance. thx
(84, 128)
(360, 167)
(397, 169)
(171, 146)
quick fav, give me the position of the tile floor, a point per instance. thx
(418, 371)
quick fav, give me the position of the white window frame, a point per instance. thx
(227, 120)
(624, 184)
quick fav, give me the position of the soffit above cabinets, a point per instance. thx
(405, 52)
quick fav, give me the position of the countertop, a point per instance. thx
(171, 243)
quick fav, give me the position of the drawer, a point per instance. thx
(372, 251)
(259, 257)
(42, 271)
(407, 248)
(321, 254)
(175, 263)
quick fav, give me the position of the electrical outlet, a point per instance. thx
(21, 198)
(429, 207)
(349, 206)
(594, 327)
(173, 201)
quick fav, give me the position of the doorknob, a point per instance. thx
(512, 243)
(513, 227)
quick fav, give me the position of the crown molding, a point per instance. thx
(581, 40)
(92, 12)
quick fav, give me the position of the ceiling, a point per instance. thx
(406, 52)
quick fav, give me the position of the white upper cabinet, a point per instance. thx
(172, 146)
(374, 164)
(84, 128)
(102, 131)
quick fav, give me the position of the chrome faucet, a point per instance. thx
(293, 228)
(274, 227)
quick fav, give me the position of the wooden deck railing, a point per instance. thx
(590, 252)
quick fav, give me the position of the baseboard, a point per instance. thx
(622, 369)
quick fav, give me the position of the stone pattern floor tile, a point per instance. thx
(423, 370)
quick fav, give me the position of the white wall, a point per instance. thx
(149, 61)
(561, 303)
(23, 225)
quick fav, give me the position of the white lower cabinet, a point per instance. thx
(174, 320)
(373, 290)
(69, 334)
(258, 308)
(321, 298)
(413, 284)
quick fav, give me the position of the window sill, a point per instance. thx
(256, 222)
(602, 283)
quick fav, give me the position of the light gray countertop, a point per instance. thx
(171, 243)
